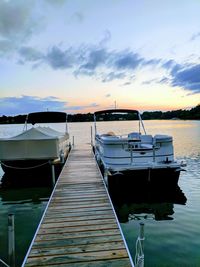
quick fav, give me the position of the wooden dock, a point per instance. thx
(79, 227)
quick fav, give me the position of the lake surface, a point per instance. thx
(171, 215)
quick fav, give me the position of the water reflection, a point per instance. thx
(30, 178)
(24, 195)
(144, 201)
(27, 204)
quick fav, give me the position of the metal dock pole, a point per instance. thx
(11, 240)
(91, 136)
(139, 254)
(53, 174)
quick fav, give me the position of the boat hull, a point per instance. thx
(154, 174)
(155, 177)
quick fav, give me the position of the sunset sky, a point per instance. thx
(80, 56)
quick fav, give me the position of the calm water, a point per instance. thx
(171, 215)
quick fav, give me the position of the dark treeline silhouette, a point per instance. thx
(192, 114)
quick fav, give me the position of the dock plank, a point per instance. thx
(79, 227)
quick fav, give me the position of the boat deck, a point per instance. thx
(79, 226)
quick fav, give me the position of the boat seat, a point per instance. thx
(109, 134)
(134, 135)
(147, 146)
(147, 139)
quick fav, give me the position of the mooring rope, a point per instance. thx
(24, 168)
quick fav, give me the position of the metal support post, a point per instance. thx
(154, 153)
(91, 133)
(131, 154)
(142, 235)
(11, 240)
(53, 174)
(139, 255)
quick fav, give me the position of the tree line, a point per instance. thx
(192, 114)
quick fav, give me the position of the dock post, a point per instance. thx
(11, 240)
(139, 254)
(142, 236)
(53, 174)
(91, 135)
(154, 153)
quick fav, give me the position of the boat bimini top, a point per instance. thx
(106, 112)
(46, 116)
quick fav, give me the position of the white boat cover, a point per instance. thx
(36, 134)
(35, 143)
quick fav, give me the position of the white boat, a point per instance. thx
(36, 146)
(136, 154)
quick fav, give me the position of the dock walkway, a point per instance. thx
(79, 227)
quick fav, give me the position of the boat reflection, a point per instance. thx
(33, 178)
(24, 195)
(145, 201)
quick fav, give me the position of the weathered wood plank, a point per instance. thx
(77, 229)
(82, 223)
(68, 235)
(77, 257)
(77, 218)
(77, 241)
(102, 263)
(81, 248)
(60, 214)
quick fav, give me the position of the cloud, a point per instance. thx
(56, 2)
(17, 21)
(113, 76)
(107, 65)
(187, 77)
(94, 58)
(126, 60)
(21, 19)
(55, 57)
(108, 95)
(195, 36)
(152, 81)
(94, 61)
(59, 59)
(6, 47)
(106, 38)
(126, 84)
(30, 54)
(169, 64)
(27, 104)
(77, 17)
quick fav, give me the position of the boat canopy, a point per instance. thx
(106, 111)
(116, 113)
(46, 116)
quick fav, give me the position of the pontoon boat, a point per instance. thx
(36, 146)
(136, 154)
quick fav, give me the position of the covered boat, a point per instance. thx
(136, 154)
(36, 147)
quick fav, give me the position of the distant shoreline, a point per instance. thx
(192, 114)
